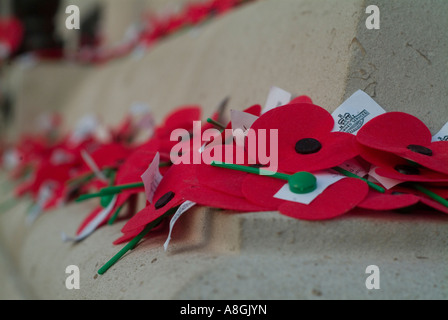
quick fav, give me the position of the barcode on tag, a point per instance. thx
(355, 112)
(442, 135)
(354, 166)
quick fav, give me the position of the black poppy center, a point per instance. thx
(258, 166)
(308, 146)
(420, 149)
(163, 201)
(406, 169)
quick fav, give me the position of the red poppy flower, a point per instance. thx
(215, 187)
(135, 164)
(301, 99)
(228, 182)
(133, 168)
(110, 155)
(406, 136)
(224, 181)
(181, 118)
(220, 188)
(197, 12)
(167, 196)
(390, 200)
(161, 229)
(305, 138)
(11, 34)
(402, 197)
(125, 132)
(391, 166)
(179, 184)
(128, 172)
(47, 173)
(338, 199)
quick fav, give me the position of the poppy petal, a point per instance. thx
(438, 161)
(293, 122)
(388, 201)
(393, 132)
(337, 200)
(337, 147)
(211, 198)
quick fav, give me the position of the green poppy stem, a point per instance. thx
(133, 243)
(118, 189)
(299, 183)
(352, 175)
(216, 124)
(246, 169)
(115, 216)
(430, 194)
(110, 191)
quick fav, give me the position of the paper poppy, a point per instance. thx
(406, 136)
(390, 200)
(11, 34)
(305, 138)
(402, 197)
(46, 173)
(392, 166)
(338, 199)
(110, 155)
(166, 196)
(181, 118)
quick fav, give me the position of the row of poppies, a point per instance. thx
(153, 28)
(399, 164)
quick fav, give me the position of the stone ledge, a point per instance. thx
(219, 255)
(259, 255)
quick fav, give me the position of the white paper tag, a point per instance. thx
(152, 177)
(442, 135)
(324, 180)
(92, 225)
(11, 159)
(139, 108)
(184, 207)
(277, 97)
(85, 127)
(60, 156)
(93, 166)
(143, 118)
(242, 120)
(241, 123)
(355, 112)
(44, 194)
(45, 122)
(387, 183)
(355, 167)
(202, 148)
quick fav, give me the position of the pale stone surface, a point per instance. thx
(404, 65)
(306, 47)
